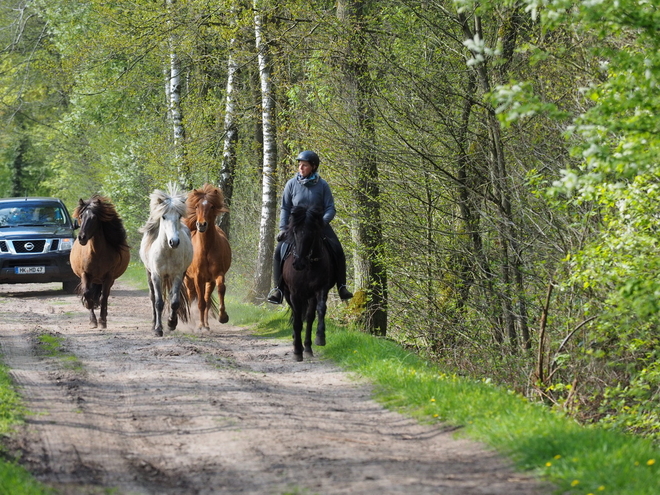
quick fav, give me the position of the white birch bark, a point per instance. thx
(269, 192)
(174, 101)
(226, 180)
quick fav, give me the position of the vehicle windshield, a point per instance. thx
(26, 214)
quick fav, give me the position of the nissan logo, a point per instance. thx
(29, 246)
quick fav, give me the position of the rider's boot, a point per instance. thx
(344, 293)
(275, 296)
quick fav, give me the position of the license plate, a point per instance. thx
(29, 270)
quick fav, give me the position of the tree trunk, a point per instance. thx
(510, 259)
(370, 270)
(173, 90)
(226, 180)
(269, 166)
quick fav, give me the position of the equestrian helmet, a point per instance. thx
(309, 156)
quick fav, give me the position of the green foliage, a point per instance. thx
(620, 153)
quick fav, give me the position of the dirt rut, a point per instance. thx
(221, 412)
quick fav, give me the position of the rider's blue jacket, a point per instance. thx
(310, 192)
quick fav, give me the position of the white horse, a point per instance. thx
(166, 251)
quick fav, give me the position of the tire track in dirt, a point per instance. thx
(216, 413)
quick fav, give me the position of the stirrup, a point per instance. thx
(344, 293)
(275, 296)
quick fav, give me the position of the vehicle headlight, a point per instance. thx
(66, 244)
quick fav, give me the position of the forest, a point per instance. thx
(495, 164)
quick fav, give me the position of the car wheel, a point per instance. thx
(70, 287)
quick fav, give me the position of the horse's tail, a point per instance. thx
(183, 311)
(214, 308)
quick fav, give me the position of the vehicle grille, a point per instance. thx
(23, 247)
(3, 247)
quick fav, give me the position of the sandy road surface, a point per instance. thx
(215, 413)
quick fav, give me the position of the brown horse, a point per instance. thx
(99, 255)
(211, 252)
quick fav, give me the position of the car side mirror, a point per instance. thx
(76, 225)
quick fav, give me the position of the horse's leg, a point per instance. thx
(175, 302)
(309, 317)
(321, 308)
(223, 317)
(159, 304)
(297, 331)
(152, 297)
(208, 298)
(105, 293)
(88, 298)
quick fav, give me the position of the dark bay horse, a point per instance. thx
(167, 251)
(99, 255)
(308, 275)
(211, 253)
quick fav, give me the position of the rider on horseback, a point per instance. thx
(307, 188)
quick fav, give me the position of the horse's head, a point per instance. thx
(96, 215)
(305, 232)
(205, 205)
(87, 215)
(167, 210)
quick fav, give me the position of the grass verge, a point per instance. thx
(574, 458)
(14, 479)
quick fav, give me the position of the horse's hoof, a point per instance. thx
(158, 333)
(93, 324)
(297, 357)
(224, 318)
(104, 325)
(319, 340)
(171, 326)
(308, 354)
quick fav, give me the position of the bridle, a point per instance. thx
(317, 246)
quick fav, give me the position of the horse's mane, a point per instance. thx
(111, 223)
(301, 216)
(209, 193)
(160, 203)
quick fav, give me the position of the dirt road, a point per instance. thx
(216, 413)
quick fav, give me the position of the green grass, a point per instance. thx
(135, 275)
(14, 479)
(577, 459)
(52, 346)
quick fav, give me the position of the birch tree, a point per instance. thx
(173, 94)
(226, 180)
(269, 166)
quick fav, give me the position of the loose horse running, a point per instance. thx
(308, 274)
(211, 253)
(99, 255)
(166, 252)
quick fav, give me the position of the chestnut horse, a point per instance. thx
(308, 276)
(99, 254)
(211, 253)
